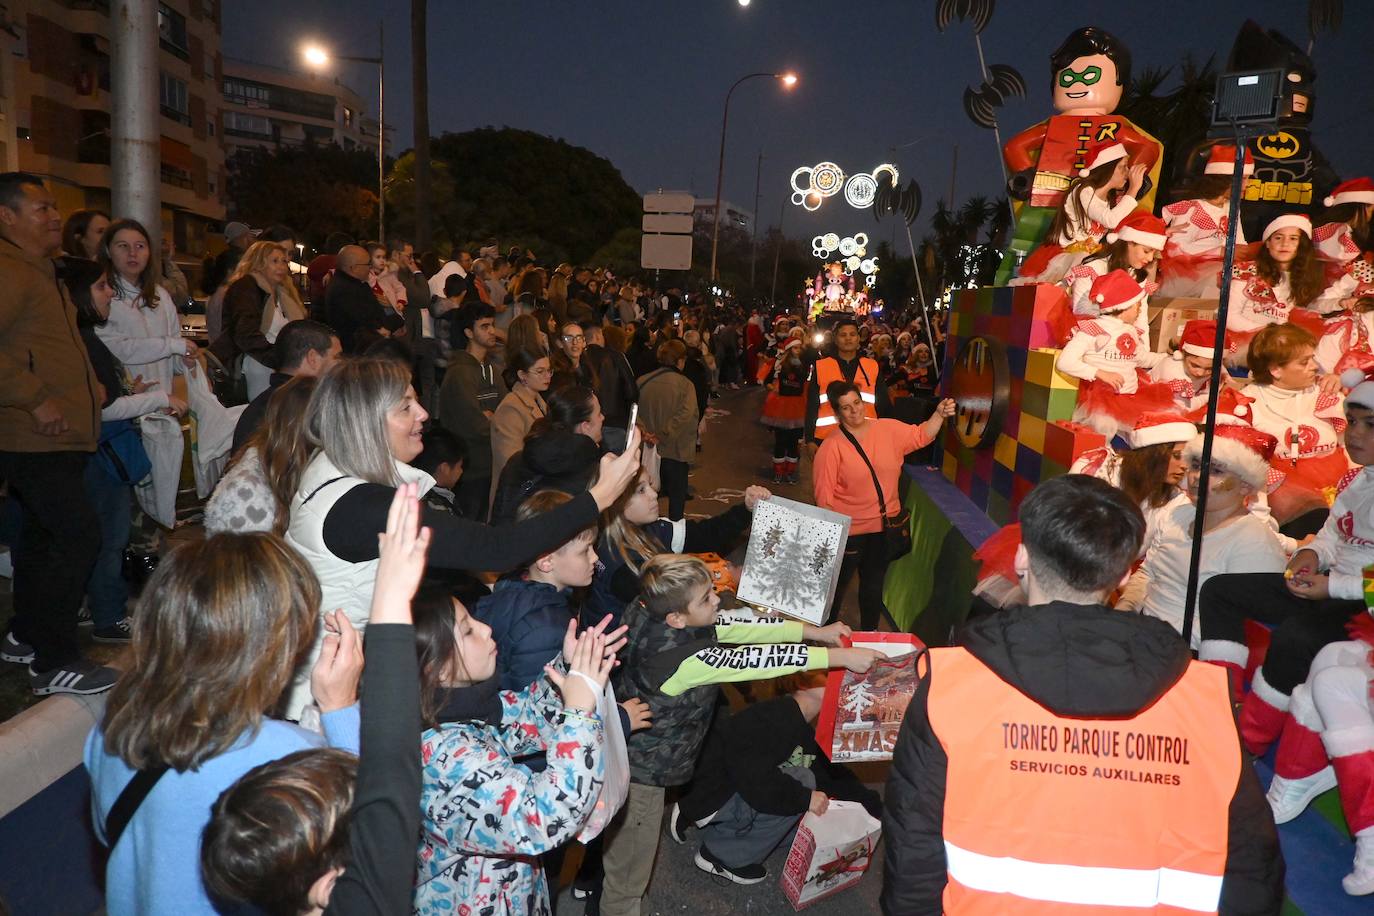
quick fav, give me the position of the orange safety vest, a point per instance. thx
(866, 378)
(1048, 815)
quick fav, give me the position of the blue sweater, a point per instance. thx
(156, 867)
(528, 621)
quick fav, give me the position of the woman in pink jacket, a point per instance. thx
(845, 484)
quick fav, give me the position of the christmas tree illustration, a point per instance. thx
(858, 697)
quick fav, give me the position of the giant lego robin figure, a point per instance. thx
(1089, 71)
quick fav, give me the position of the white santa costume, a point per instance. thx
(1346, 342)
(1308, 424)
(1196, 231)
(1197, 340)
(1328, 736)
(1089, 219)
(1106, 343)
(1244, 543)
(1256, 303)
(1335, 242)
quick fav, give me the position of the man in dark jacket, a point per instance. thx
(1067, 736)
(350, 306)
(471, 391)
(760, 773)
(304, 347)
(616, 389)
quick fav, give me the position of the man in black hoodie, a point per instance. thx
(1066, 753)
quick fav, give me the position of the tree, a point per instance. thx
(1178, 118)
(563, 201)
(313, 189)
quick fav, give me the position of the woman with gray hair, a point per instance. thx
(365, 423)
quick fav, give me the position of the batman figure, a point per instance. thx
(1291, 174)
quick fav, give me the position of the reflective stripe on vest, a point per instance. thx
(865, 378)
(1045, 814)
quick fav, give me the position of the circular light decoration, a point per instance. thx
(860, 191)
(851, 264)
(848, 247)
(851, 248)
(868, 265)
(830, 241)
(813, 184)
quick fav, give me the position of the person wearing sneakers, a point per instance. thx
(1327, 736)
(1064, 757)
(679, 653)
(1309, 603)
(760, 773)
(49, 421)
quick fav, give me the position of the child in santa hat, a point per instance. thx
(1304, 413)
(1330, 717)
(1345, 232)
(1102, 195)
(1188, 370)
(1197, 228)
(1134, 247)
(1234, 540)
(784, 410)
(1111, 358)
(1282, 283)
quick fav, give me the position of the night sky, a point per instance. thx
(643, 82)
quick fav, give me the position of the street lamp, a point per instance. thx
(317, 57)
(788, 80)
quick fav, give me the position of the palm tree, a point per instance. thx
(1177, 118)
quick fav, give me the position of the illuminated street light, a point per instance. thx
(315, 56)
(788, 80)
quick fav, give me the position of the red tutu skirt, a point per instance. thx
(998, 553)
(1189, 275)
(1309, 484)
(784, 411)
(1036, 262)
(1107, 410)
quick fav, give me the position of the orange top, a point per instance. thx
(843, 483)
(1045, 815)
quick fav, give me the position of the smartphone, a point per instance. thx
(634, 415)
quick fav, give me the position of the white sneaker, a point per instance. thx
(1290, 797)
(1361, 881)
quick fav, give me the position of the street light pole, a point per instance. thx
(789, 80)
(754, 225)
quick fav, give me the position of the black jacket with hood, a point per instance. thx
(1081, 662)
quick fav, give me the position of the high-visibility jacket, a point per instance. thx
(866, 378)
(1048, 815)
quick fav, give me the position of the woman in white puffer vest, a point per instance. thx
(366, 423)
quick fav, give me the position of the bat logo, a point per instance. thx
(981, 104)
(978, 12)
(1281, 145)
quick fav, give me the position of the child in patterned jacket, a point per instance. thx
(486, 819)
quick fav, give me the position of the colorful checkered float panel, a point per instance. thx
(1022, 394)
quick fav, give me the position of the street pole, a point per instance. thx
(381, 132)
(720, 163)
(419, 84)
(135, 131)
(777, 254)
(754, 225)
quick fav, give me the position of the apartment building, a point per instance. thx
(270, 107)
(55, 106)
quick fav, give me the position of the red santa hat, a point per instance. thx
(791, 342)
(1233, 409)
(1198, 337)
(1156, 427)
(1142, 228)
(1244, 450)
(1298, 221)
(1354, 191)
(1361, 385)
(1107, 154)
(1222, 161)
(1115, 292)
